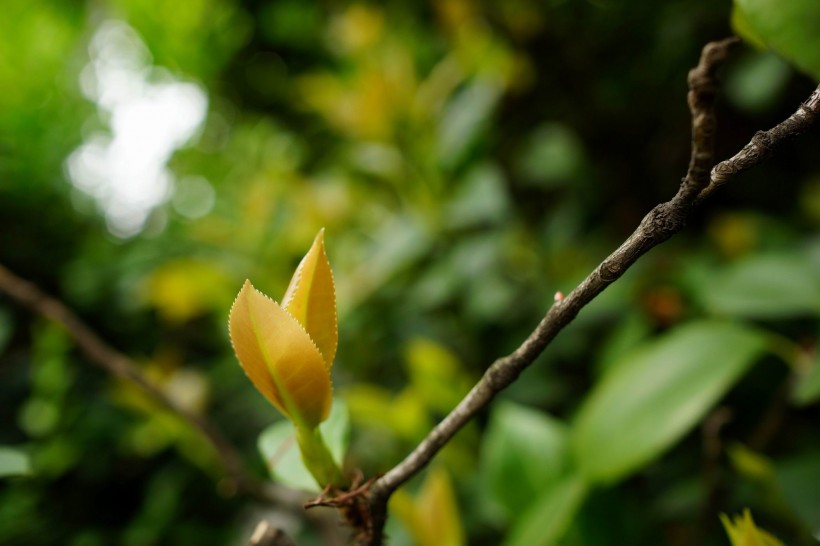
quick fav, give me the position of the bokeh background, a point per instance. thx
(467, 159)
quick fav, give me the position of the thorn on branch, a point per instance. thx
(353, 504)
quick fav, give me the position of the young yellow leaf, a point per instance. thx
(743, 531)
(311, 299)
(432, 517)
(279, 357)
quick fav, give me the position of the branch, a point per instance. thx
(764, 144)
(117, 364)
(659, 225)
(703, 87)
(267, 535)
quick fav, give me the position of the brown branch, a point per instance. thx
(764, 144)
(112, 361)
(659, 225)
(711, 475)
(703, 88)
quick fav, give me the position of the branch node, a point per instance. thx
(703, 87)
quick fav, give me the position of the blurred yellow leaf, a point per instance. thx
(742, 531)
(182, 289)
(432, 517)
(456, 13)
(750, 463)
(404, 414)
(735, 234)
(436, 374)
(360, 27)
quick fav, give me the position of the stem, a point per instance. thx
(317, 457)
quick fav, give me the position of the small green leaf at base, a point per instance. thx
(278, 446)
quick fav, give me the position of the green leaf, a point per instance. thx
(657, 394)
(757, 81)
(14, 462)
(277, 443)
(798, 478)
(480, 198)
(743, 28)
(292, 22)
(627, 334)
(398, 244)
(788, 28)
(772, 286)
(550, 514)
(465, 118)
(524, 452)
(807, 388)
(552, 156)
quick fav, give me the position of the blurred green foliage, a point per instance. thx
(786, 31)
(468, 159)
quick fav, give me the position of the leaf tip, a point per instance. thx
(319, 240)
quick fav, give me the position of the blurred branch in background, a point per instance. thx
(267, 535)
(117, 364)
